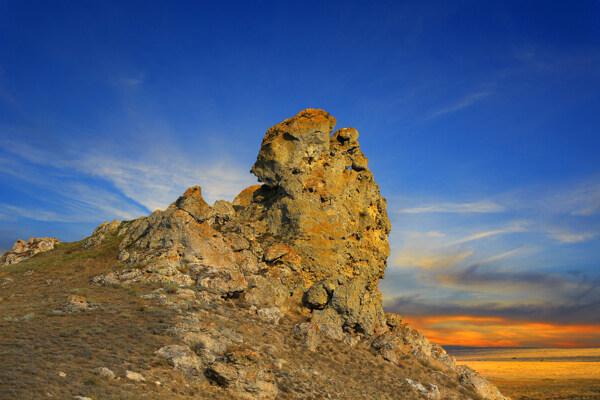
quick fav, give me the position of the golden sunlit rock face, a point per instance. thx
(321, 198)
(320, 194)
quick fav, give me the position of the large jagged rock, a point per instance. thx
(187, 225)
(106, 228)
(313, 239)
(22, 250)
(321, 198)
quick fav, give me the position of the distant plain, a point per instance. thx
(523, 373)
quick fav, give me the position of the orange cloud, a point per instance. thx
(503, 332)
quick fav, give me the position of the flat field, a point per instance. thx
(537, 373)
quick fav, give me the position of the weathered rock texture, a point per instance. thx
(320, 197)
(23, 250)
(313, 239)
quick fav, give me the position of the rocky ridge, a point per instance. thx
(23, 250)
(311, 242)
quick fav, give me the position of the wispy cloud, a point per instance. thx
(132, 81)
(430, 259)
(150, 179)
(475, 207)
(569, 237)
(477, 274)
(157, 183)
(434, 250)
(11, 213)
(563, 310)
(459, 105)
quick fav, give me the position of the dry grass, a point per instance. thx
(538, 373)
(124, 330)
(121, 333)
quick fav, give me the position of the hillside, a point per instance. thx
(273, 295)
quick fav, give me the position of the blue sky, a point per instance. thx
(480, 120)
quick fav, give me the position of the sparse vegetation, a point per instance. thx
(125, 330)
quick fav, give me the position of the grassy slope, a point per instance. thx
(35, 344)
(124, 331)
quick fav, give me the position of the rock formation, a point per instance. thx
(311, 241)
(23, 250)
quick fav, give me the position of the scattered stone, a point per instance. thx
(245, 375)
(162, 270)
(105, 372)
(389, 346)
(308, 334)
(274, 252)
(393, 320)
(484, 388)
(329, 323)
(271, 315)
(182, 358)
(74, 304)
(93, 241)
(428, 390)
(134, 376)
(227, 281)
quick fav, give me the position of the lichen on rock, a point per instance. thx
(22, 250)
(312, 239)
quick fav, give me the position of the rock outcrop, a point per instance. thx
(312, 239)
(22, 250)
(320, 197)
(107, 228)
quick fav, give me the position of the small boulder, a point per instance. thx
(308, 334)
(226, 281)
(329, 323)
(271, 315)
(427, 390)
(317, 296)
(104, 373)
(134, 376)
(93, 241)
(245, 374)
(276, 251)
(393, 320)
(485, 389)
(182, 358)
(74, 304)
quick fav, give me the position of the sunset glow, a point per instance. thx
(501, 332)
